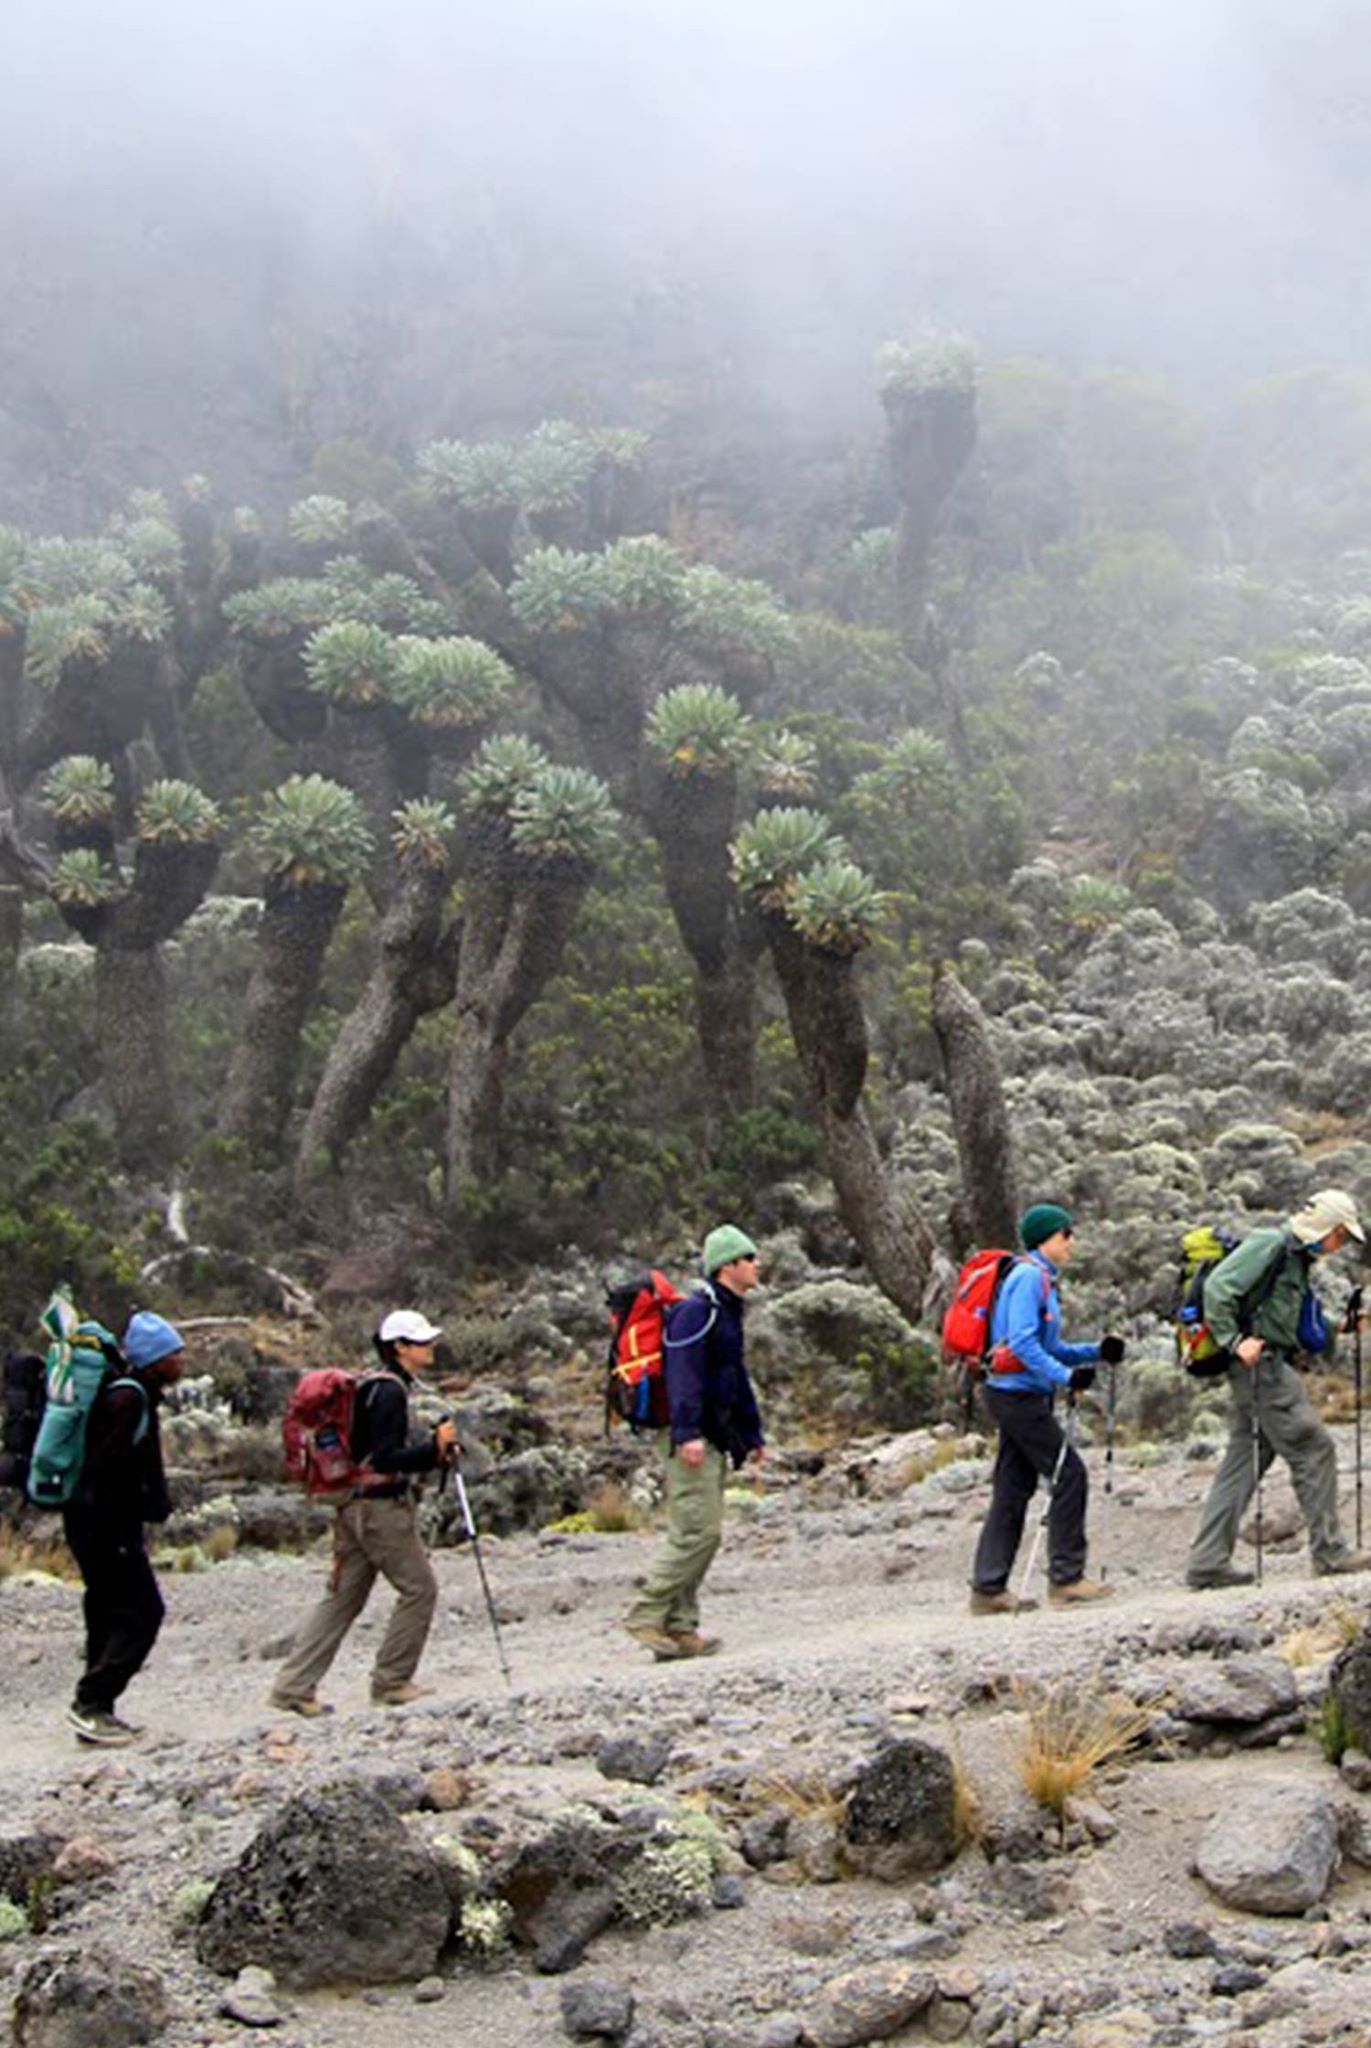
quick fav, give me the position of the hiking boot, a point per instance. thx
(1078, 1593)
(662, 1644)
(1003, 1602)
(1222, 1575)
(306, 1706)
(100, 1729)
(1342, 1567)
(690, 1643)
(400, 1695)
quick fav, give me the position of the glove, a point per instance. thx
(1082, 1378)
(1112, 1350)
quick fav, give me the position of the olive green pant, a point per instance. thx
(1290, 1429)
(372, 1537)
(694, 1529)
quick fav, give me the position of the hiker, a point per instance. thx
(713, 1423)
(1028, 1365)
(377, 1531)
(1253, 1302)
(122, 1486)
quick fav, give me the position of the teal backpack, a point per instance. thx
(83, 1358)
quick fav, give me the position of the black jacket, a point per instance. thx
(123, 1483)
(381, 1435)
(708, 1391)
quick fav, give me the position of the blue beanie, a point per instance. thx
(149, 1338)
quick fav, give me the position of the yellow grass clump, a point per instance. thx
(1071, 1731)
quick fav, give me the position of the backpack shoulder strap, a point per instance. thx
(708, 1292)
(1259, 1294)
(126, 1380)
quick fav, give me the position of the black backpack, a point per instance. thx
(24, 1396)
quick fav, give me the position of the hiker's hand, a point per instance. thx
(1082, 1378)
(1112, 1349)
(693, 1453)
(445, 1437)
(755, 1456)
(1248, 1350)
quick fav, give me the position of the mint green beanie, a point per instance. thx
(724, 1245)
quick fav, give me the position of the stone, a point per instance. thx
(639, 1759)
(1230, 1980)
(1355, 1770)
(561, 1884)
(1127, 2026)
(947, 2019)
(729, 1893)
(1186, 1940)
(251, 1999)
(445, 1789)
(332, 1890)
(764, 1837)
(430, 1991)
(867, 2004)
(83, 1858)
(1242, 1689)
(87, 1998)
(24, 1859)
(1349, 1682)
(901, 1814)
(1272, 1849)
(597, 2009)
(815, 1842)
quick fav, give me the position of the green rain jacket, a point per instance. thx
(1231, 1286)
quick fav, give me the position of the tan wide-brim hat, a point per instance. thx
(1328, 1210)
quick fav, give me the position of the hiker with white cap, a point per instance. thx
(377, 1530)
(1259, 1306)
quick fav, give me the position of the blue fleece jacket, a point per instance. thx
(708, 1391)
(1027, 1321)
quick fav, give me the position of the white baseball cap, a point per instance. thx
(407, 1326)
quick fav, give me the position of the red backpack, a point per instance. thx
(316, 1431)
(635, 1380)
(967, 1324)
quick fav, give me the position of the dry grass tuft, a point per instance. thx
(1321, 1639)
(968, 1811)
(612, 1513)
(29, 1554)
(922, 1465)
(221, 1542)
(807, 1795)
(1071, 1732)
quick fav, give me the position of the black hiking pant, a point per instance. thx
(1031, 1441)
(123, 1606)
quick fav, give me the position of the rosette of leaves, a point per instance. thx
(734, 612)
(141, 613)
(149, 505)
(501, 767)
(563, 814)
(872, 553)
(275, 610)
(356, 592)
(14, 554)
(80, 791)
(81, 881)
(836, 906)
(778, 846)
(932, 362)
(320, 521)
(916, 763)
(453, 683)
(58, 634)
(481, 474)
(698, 729)
(175, 813)
(554, 466)
(311, 830)
(59, 571)
(423, 833)
(351, 662)
(786, 764)
(557, 590)
(153, 547)
(643, 574)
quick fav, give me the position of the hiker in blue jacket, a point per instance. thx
(1029, 1364)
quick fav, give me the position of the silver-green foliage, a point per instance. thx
(558, 591)
(14, 554)
(698, 729)
(481, 474)
(456, 682)
(500, 769)
(76, 629)
(775, 847)
(311, 830)
(350, 661)
(643, 574)
(554, 466)
(80, 790)
(80, 881)
(787, 764)
(562, 814)
(320, 521)
(347, 590)
(175, 813)
(153, 546)
(423, 831)
(934, 362)
(734, 613)
(836, 906)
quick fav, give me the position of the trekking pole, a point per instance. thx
(1068, 1439)
(1110, 1413)
(1352, 1322)
(475, 1543)
(1257, 1458)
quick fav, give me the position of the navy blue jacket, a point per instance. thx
(708, 1391)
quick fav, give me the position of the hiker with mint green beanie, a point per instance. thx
(714, 1424)
(1028, 1366)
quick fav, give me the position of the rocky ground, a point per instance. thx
(841, 1600)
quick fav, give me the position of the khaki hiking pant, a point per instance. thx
(694, 1529)
(1290, 1429)
(371, 1537)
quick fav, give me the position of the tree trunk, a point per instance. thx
(292, 939)
(991, 1195)
(131, 1018)
(692, 819)
(829, 1029)
(415, 972)
(930, 434)
(11, 938)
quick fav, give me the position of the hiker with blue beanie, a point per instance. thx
(121, 1488)
(1028, 1366)
(714, 1424)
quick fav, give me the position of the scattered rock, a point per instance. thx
(1240, 1689)
(1127, 2026)
(1272, 1849)
(1349, 1682)
(87, 1998)
(597, 2009)
(447, 1789)
(868, 2004)
(1230, 1980)
(640, 1759)
(332, 1890)
(251, 1998)
(900, 1819)
(1187, 1940)
(1355, 1770)
(430, 1991)
(83, 1858)
(24, 1859)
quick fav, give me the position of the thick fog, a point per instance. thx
(206, 196)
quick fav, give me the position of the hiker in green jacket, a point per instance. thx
(1253, 1302)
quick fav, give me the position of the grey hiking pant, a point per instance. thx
(371, 1537)
(694, 1530)
(1290, 1429)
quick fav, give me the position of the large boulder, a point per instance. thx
(867, 2004)
(332, 1890)
(1272, 1848)
(901, 1814)
(1349, 1682)
(87, 1998)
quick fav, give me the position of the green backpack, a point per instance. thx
(1202, 1249)
(83, 1358)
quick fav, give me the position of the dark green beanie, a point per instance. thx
(1042, 1221)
